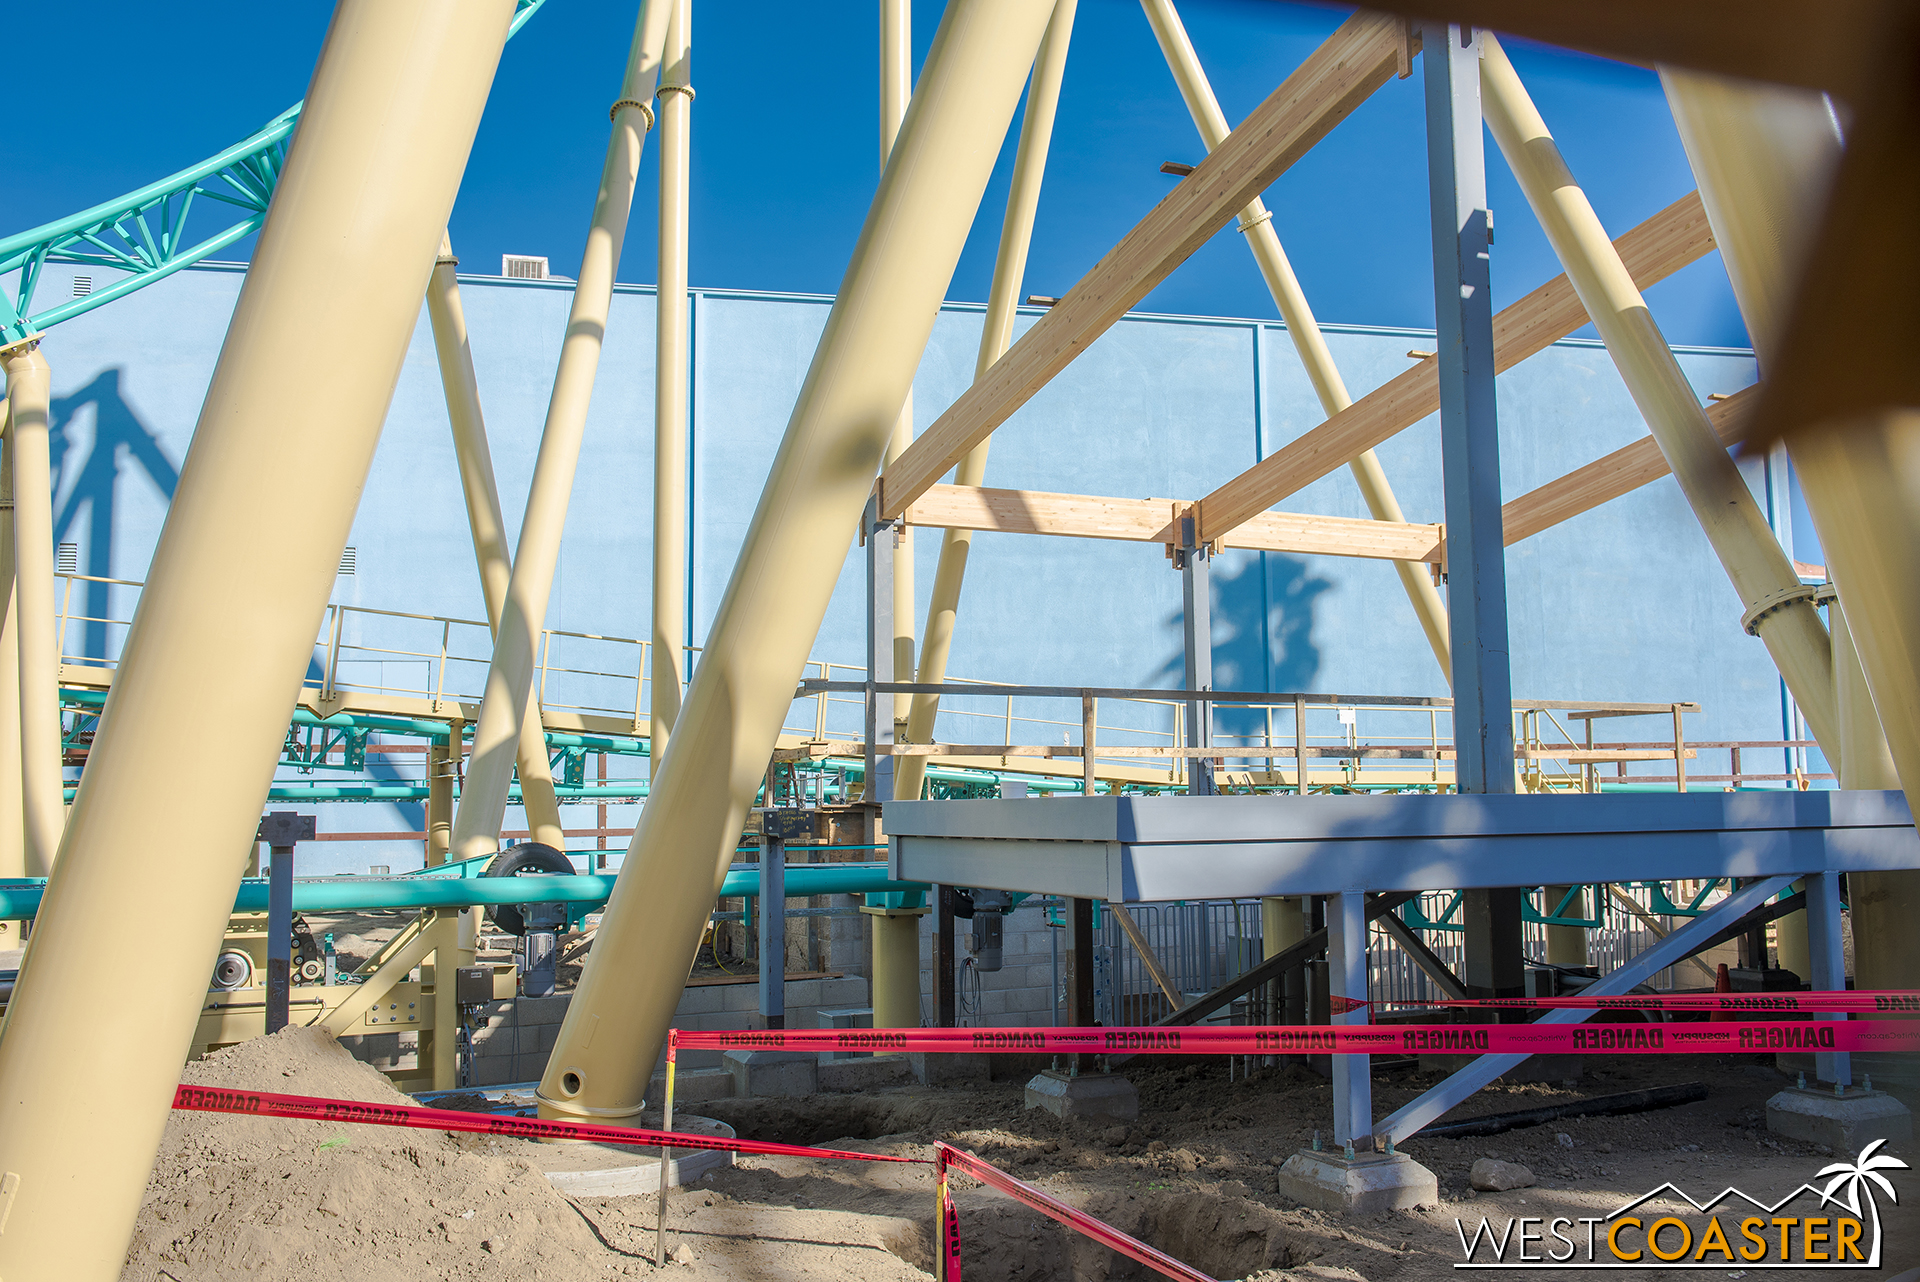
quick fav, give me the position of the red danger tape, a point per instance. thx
(1339, 1039)
(314, 1109)
(1866, 1002)
(1079, 1221)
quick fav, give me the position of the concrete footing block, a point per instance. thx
(870, 1074)
(1844, 1123)
(1366, 1184)
(1102, 1096)
(774, 1074)
(949, 1070)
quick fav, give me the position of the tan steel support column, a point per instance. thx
(1764, 157)
(43, 812)
(1783, 614)
(896, 966)
(496, 735)
(896, 90)
(821, 478)
(1256, 224)
(485, 523)
(1003, 300)
(669, 660)
(313, 353)
(450, 952)
(13, 850)
(1566, 945)
(440, 760)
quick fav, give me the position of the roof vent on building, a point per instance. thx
(82, 286)
(66, 559)
(348, 560)
(523, 267)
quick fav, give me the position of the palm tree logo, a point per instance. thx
(1858, 1176)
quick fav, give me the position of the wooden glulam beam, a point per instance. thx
(1605, 479)
(1662, 245)
(1364, 53)
(1086, 516)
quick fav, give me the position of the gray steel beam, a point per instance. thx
(1824, 950)
(1196, 622)
(1683, 942)
(880, 538)
(1347, 977)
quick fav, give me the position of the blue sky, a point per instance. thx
(786, 146)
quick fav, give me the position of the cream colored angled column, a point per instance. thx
(1256, 223)
(1779, 610)
(226, 622)
(496, 735)
(13, 851)
(1764, 157)
(821, 478)
(896, 88)
(485, 522)
(996, 334)
(43, 810)
(669, 660)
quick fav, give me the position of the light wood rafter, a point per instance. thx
(1605, 479)
(1671, 239)
(1361, 55)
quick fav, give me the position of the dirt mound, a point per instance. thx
(270, 1199)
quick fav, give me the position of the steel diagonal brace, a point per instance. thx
(1684, 942)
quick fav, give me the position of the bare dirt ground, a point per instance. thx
(255, 1198)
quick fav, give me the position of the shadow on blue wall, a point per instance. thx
(1262, 634)
(121, 441)
(118, 434)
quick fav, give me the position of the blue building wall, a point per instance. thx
(1626, 602)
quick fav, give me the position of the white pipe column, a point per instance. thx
(225, 625)
(487, 526)
(996, 335)
(896, 89)
(669, 659)
(496, 735)
(1779, 610)
(13, 849)
(821, 478)
(1256, 224)
(43, 809)
(1764, 158)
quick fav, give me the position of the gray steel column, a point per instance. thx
(1470, 469)
(773, 931)
(1829, 964)
(1196, 613)
(1347, 977)
(280, 830)
(879, 707)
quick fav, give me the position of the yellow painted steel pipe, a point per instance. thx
(43, 810)
(1256, 224)
(1765, 157)
(13, 849)
(496, 735)
(671, 348)
(225, 625)
(486, 524)
(821, 478)
(896, 89)
(896, 966)
(1779, 611)
(996, 335)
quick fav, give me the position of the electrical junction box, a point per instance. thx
(473, 985)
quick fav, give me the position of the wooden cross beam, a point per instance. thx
(1364, 53)
(1088, 516)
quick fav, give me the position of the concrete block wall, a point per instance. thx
(513, 1042)
(1020, 993)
